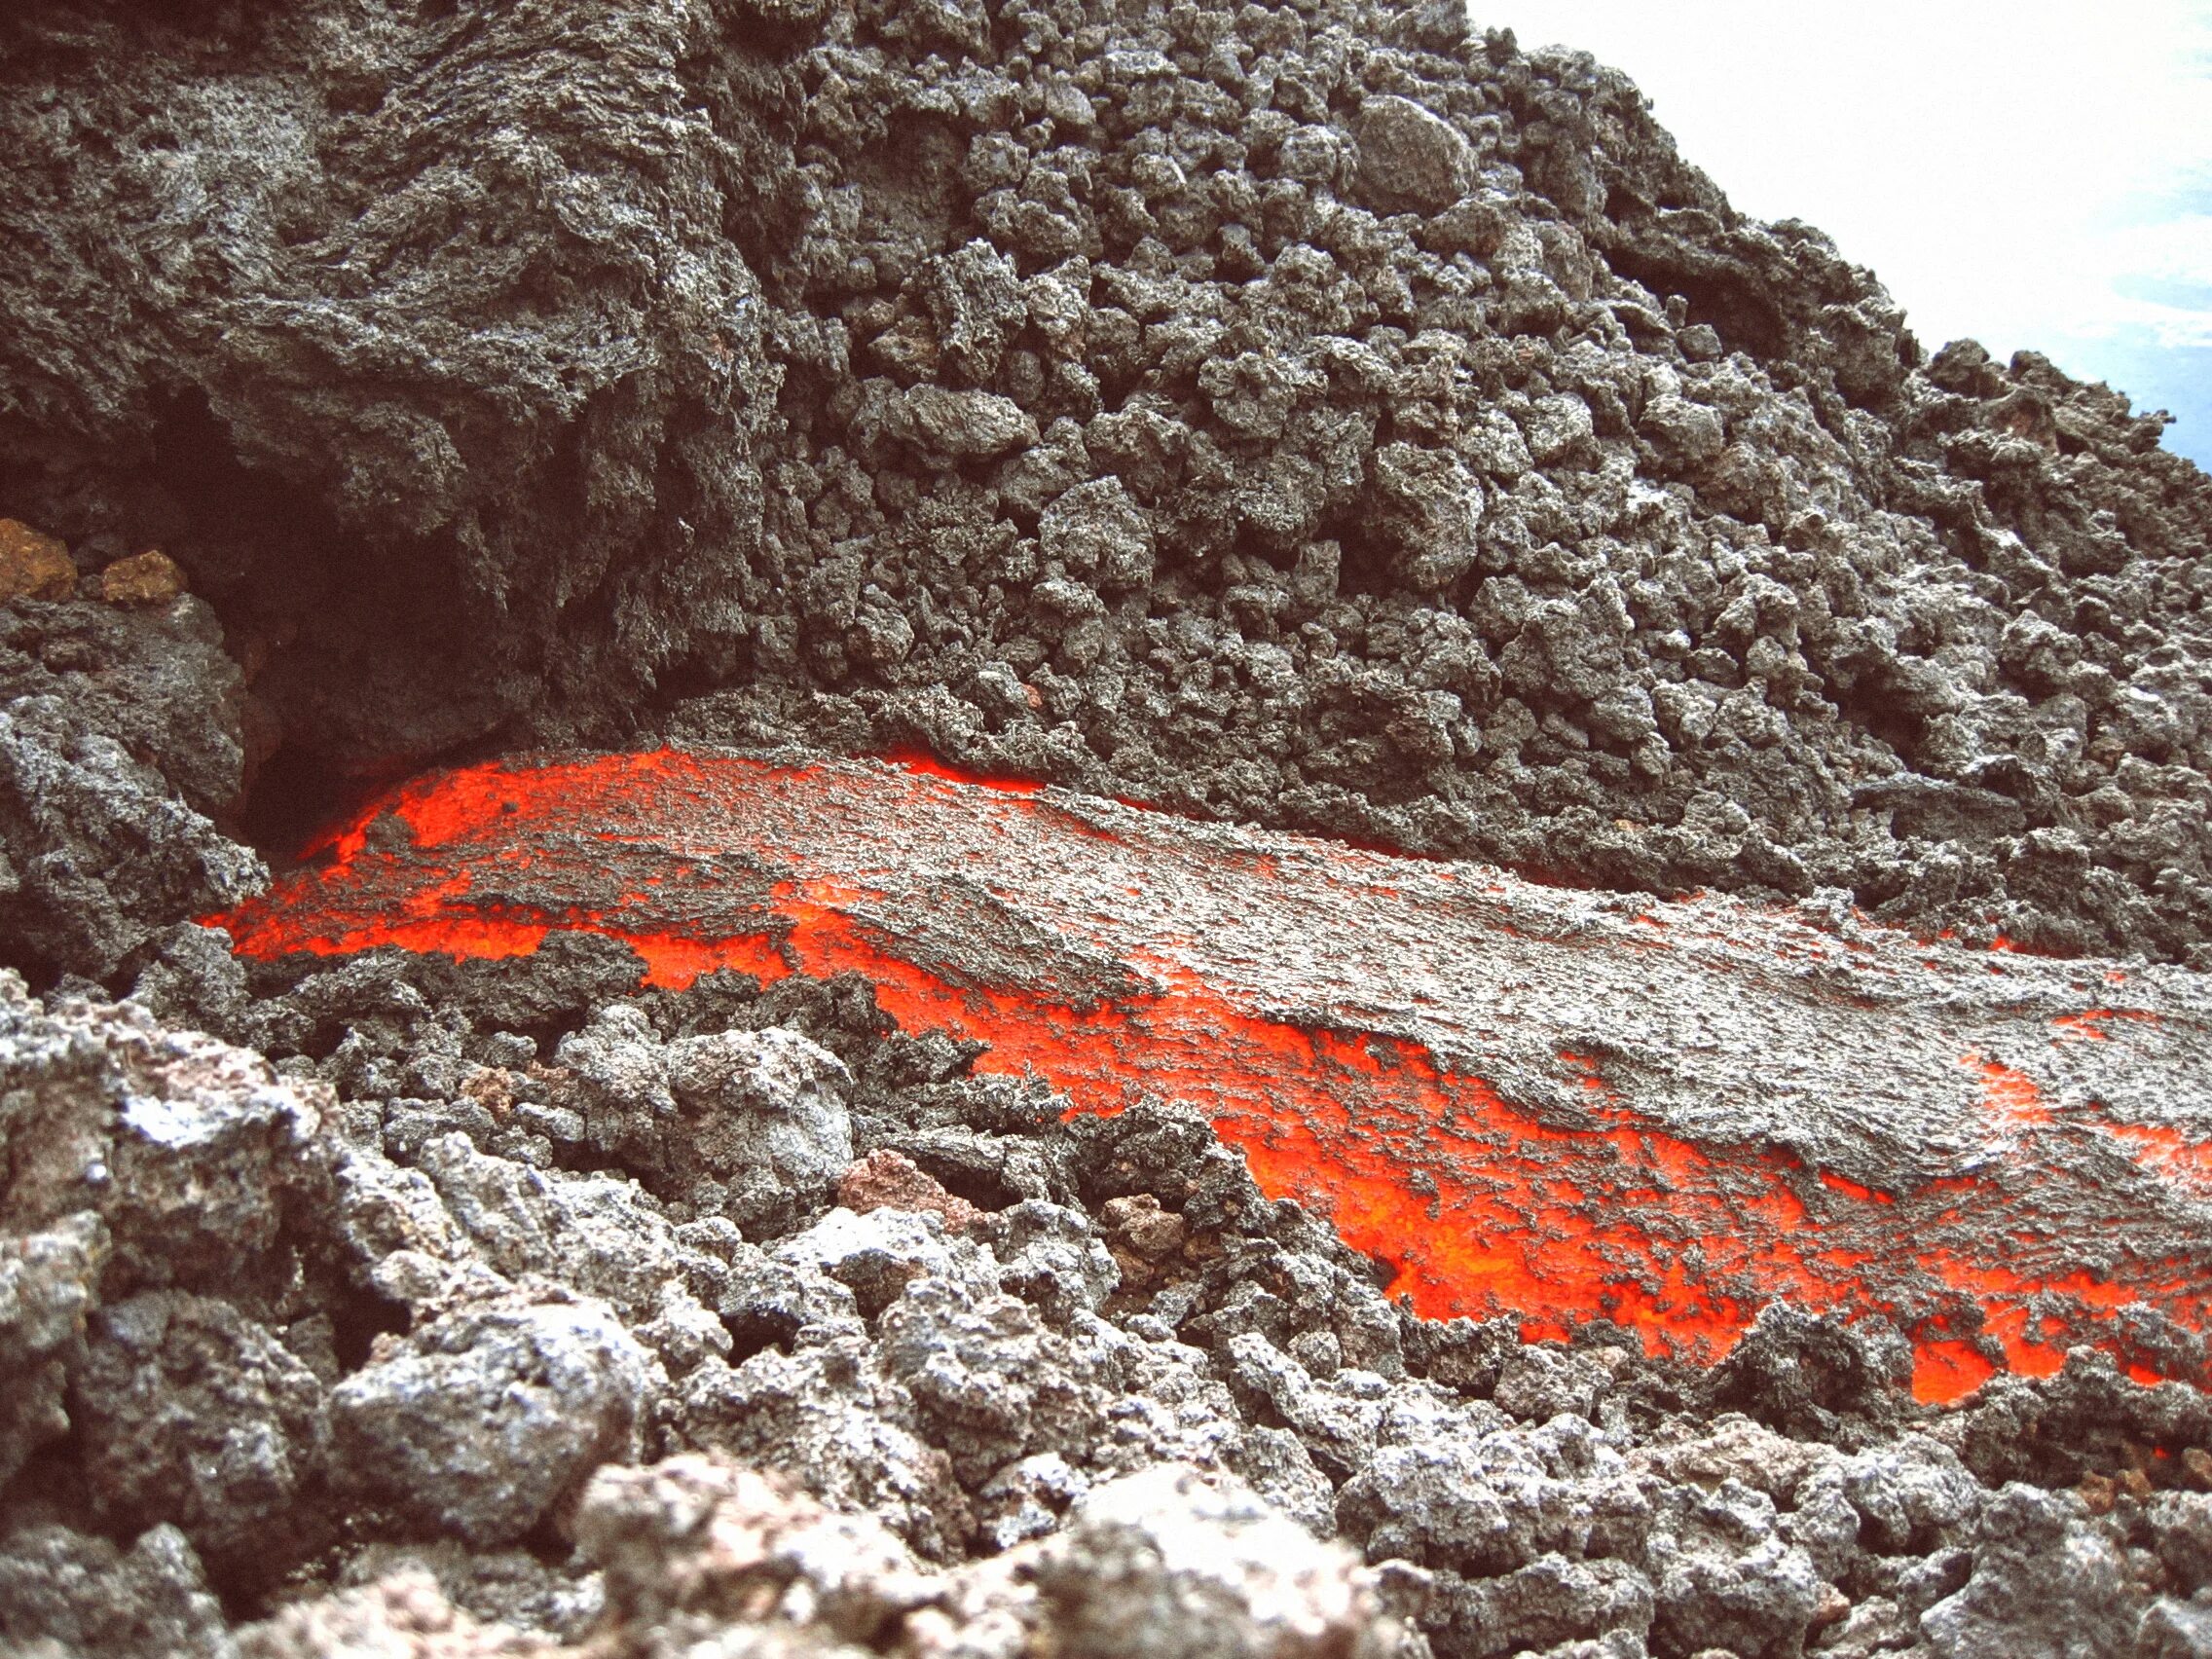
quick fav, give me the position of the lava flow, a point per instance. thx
(1557, 1105)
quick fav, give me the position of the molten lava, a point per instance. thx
(1557, 1105)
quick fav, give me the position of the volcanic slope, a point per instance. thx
(1319, 415)
(1553, 1105)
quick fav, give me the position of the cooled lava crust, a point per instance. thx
(1558, 1105)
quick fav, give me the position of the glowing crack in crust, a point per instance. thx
(1558, 1105)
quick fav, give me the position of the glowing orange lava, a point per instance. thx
(1382, 1037)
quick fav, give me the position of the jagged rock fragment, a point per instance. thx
(486, 1420)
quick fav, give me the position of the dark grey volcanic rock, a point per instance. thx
(121, 732)
(1303, 412)
(408, 330)
(1312, 415)
(458, 1376)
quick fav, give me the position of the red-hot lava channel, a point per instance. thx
(1553, 1104)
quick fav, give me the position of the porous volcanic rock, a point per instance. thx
(1320, 415)
(123, 740)
(421, 1369)
(1315, 414)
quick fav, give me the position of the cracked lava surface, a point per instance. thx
(1523, 1101)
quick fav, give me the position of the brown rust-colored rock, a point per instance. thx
(32, 564)
(890, 1180)
(150, 578)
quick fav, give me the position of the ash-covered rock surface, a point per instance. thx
(1316, 414)
(394, 1333)
(123, 740)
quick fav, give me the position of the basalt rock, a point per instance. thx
(1323, 416)
(1329, 418)
(423, 1305)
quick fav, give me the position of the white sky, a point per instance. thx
(2031, 173)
